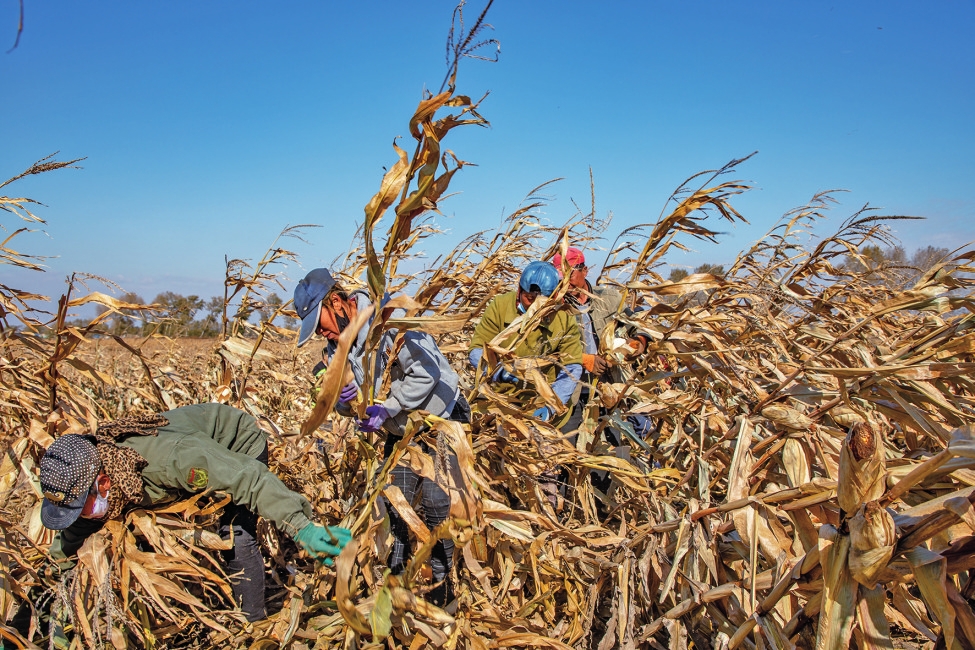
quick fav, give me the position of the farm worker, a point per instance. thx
(145, 461)
(420, 378)
(557, 336)
(596, 310)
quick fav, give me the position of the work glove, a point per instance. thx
(319, 370)
(595, 364)
(348, 392)
(543, 413)
(375, 416)
(323, 542)
(637, 345)
(504, 376)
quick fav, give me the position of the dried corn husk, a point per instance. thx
(712, 528)
(787, 418)
(873, 537)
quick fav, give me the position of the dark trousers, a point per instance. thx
(436, 506)
(244, 562)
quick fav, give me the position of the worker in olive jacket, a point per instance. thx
(150, 460)
(557, 336)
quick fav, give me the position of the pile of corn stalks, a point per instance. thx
(809, 482)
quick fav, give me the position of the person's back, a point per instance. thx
(556, 336)
(147, 461)
(419, 377)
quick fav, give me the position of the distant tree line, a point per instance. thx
(890, 266)
(175, 315)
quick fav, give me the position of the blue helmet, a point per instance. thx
(541, 275)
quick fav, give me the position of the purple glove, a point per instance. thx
(348, 392)
(375, 416)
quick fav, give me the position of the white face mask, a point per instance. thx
(100, 508)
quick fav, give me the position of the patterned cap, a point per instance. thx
(68, 470)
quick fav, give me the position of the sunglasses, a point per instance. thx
(580, 267)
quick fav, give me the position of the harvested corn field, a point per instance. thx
(806, 481)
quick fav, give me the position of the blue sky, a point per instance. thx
(208, 127)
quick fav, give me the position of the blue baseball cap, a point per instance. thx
(308, 301)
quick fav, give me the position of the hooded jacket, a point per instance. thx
(420, 376)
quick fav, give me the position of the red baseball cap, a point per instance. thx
(573, 256)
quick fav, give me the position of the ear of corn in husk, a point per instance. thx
(861, 468)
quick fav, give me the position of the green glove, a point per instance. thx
(323, 542)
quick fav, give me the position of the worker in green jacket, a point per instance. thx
(151, 460)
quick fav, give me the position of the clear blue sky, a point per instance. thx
(208, 127)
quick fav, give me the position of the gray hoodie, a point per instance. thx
(420, 376)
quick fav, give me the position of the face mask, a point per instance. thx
(99, 509)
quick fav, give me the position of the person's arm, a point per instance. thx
(565, 382)
(474, 357)
(491, 324)
(637, 337)
(570, 354)
(197, 463)
(488, 327)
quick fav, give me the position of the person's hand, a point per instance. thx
(504, 376)
(375, 416)
(323, 542)
(599, 365)
(595, 364)
(637, 345)
(543, 413)
(348, 392)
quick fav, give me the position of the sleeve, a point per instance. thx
(421, 374)
(474, 357)
(565, 382)
(570, 343)
(197, 463)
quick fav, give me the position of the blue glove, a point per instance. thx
(642, 425)
(503, 375)
(348, 392)
(375, 416)
(543, 413)
(323, 542)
